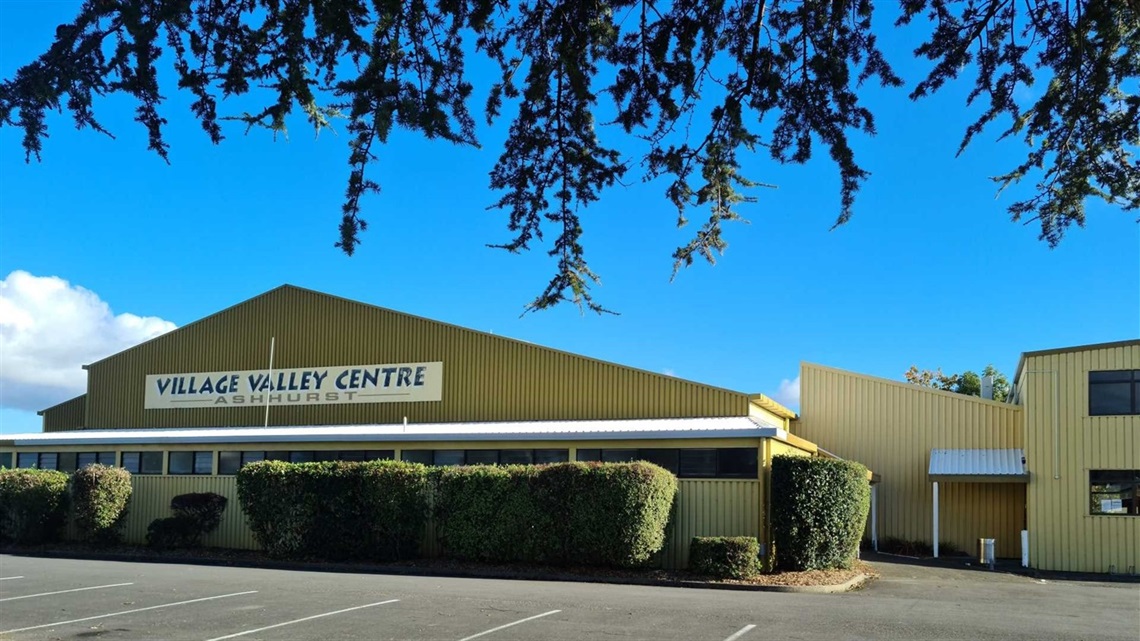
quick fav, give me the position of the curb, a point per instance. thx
(854, 583)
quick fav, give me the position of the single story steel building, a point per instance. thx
(1052, 474)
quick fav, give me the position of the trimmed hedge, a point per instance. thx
(579, 513)
(195, 515)
(33, 505)
(100, 495)
(725, 557)
(819, 510)
(335, 510)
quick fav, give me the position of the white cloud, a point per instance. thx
(788, 394)
(49, 329)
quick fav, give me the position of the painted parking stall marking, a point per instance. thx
(94, 587)
(741, 632)
(10, 578)
(115, 614)
(315, 616)
(513, 623)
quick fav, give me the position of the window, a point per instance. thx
(39, 460)
(416, 456)
(83, 459)
(516, 457)
(482, 457)
(1115, 392)
(300, 457)
(142, 462)
(1114, 492)
(448, 457)
(5, 459)
(689, 463)
(191, 462)
(551, 456)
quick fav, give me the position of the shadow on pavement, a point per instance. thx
(1006, 566)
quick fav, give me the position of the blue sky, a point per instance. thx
(930, 271)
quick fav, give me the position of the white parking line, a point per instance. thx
(115, 614)
(9, 578)
(95, 587)
(315, 616)
(741, 632)
(503, 627)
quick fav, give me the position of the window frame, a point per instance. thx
(195, 455)
(1129, 377)
(1134, 500)
(143, 455)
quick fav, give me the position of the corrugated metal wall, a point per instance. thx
(1062, 533)
(68, 415)
(704, 508)
(712, 508)
(486, 377)
(150, 500)
(891, 427)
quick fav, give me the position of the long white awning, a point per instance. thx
(979, 466)
(666, 428)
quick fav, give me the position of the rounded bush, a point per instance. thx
(100, 496)
(819, 511)
(725, 557)
(33, 505)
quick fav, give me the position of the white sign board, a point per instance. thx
(1112, 506)
(392, 383)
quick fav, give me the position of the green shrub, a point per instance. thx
(725, 557)
(568, 513)
(173, 532)
(202, 509)
(819, 511)
(100, 495)
(905, 547)
(33, 505)
(336, 510)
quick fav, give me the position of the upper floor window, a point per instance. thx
(1114, 392)
(1114, 492)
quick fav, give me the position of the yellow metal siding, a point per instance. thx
(891, 427)
(68, 415)
(712, 507)
(1062, 533)
(486, 377)
(150, 500)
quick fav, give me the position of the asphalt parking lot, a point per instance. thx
(70, 599)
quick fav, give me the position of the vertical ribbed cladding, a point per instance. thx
(68, 415)
(1064, 535)
(712, 508)
(891, 427)
(486, 377)
(150, 500)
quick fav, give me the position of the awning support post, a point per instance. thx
(936, 519)
(875, 517)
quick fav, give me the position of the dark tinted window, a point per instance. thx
(589, 454)
(229, 462)
(666, 458)
(1114, 392)
(252, 457)
(142, 462)
(203, 462)
(551, 456)
(6, 459)
(27, 459)
(279, 455)
(191, 462)
(619, 456)
(482, 457)
(447, 457)
(737, 462)
(300, 457)
(516, 457)
(50, 461)
(416, 456)
(64, 462)
(697, 463)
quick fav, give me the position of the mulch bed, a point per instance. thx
(225, 556)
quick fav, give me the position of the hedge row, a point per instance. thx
(336, 510)
(33, 505)
(585, 513)
(725, 557)
(819, 510)
(581, 513)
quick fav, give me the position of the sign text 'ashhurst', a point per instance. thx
(391, 383)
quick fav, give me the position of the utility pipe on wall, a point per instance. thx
(936, 519)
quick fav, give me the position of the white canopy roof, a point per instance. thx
(978, 465)
(672, 428)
